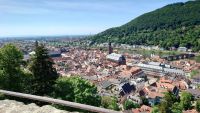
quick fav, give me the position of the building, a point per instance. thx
(195, 93)
(135, 99)
(54, 54)
(191, 111)
(131, 73)
(142, 109)
(160, 68)
(155, 92)
(182, 49)
(118, 58)
(126, 88)
(150, 67)
(174, 71)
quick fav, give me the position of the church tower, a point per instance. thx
(110, 49)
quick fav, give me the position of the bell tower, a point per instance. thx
(110, 49)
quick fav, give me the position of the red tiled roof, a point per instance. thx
(142, 109)
(190, 111)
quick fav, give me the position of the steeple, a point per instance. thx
(110, 49)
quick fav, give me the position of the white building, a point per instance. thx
(182, 49)
(174, 71)
(116, 58)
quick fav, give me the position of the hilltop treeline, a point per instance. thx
(171, 26)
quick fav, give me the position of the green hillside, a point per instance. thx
(173, 25)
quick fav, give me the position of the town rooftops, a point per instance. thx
(142, 109)
(104, 84)
(54, 53)
(194, 92)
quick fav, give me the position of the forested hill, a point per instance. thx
(173, 25)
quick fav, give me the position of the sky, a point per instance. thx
(70, 17)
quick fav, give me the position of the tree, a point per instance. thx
(186, 99)
(163, 107)
(197, 58)
(84, 91)
(197, 105)
(76, 89)
(63, 89)
(44, 74)
(194, 73)
(155, 110)
(10, 72)
(144, 100)
(167, 103)
(176, 108)
(109, 103)
(170, 98)
(128, 104)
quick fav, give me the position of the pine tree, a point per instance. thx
(44, 74)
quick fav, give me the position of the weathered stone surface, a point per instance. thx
(11, 106)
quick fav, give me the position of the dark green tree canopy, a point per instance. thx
(10, 62)
(128, 104)
(197, 105)
(76, 89)
(44, 74)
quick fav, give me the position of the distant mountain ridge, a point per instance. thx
(171, 26)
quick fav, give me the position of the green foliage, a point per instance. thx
(76, 89)
(197, 58)
(2, 97)
(170, 98)
(144, 100)
(168, 102)
(10, 72)
(128, 104)
(194, 73)
(186, 99)
(155, 110)
(197, 105)
(44, 74)
(84, 91)
(176, 108)
(110, 103)
(173, 25)
(163, 107)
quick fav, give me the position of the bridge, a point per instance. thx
(178, 57)
(59, 102)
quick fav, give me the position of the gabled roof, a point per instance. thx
(114, 56)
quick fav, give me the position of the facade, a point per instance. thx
(195, 93)
(125, 88)
(182, 49)
(118, 58)
(135, 99)
(54, 54)
(160, 68)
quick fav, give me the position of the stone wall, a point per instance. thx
(11, 106)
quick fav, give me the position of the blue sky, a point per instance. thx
(70, 17)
